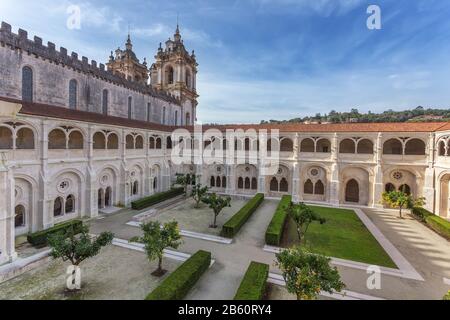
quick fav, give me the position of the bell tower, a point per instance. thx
(175, 71)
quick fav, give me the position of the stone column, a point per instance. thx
(429, 191)
(378, 187)
(334, 176)
(231, 179)
(45, 204)
(124, 174)
(7, 229)
(91, 178)
(296, 183)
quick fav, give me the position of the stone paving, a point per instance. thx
(427, 252)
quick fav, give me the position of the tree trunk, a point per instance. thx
(214, 225)
(400, 212)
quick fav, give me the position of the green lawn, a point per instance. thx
(342, 236)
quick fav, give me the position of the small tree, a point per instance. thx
(447, 296)
(217, 204)
(77, 247)
(158, 237)
(303, 216)
(198, 193)
(401, 200)
(307, 274)
(183, 180)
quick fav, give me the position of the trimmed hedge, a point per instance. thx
(156, 198)
(439, 225)
(232, 226)
(274, 231)
(40, 238)
(179, 282)
(253, 285)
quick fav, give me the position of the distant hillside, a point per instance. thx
(418, 114)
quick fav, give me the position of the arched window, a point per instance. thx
(75, 140)
(108, 197)
(169, 75)
(393, 146)
(307, 145)
(155, 183)
(218, 182)
(308, 188)
(151, 143)
(365, 146)
(247, 144)
(415, 147)
(100, 198)
(135, 188)
(87, 91)
(6, 138)
(149, 112)
(284, 186)
(286, 145)
(27, 84)
(58, 207)
(240, 183)
(139, 142)
(56, 140)
(405, 189)
(99, 141)
(113, 141)
(188, 78)
(70, 204)
(254, 184)
(105, 102)
(442, 152)
(352, 191)
(188, 119)
(158, 143)
(389, 187)
(347, 146)
(274, 184)
(19, 217)
(247, 183)
(164, 116)
(169, 142)
(273, 145)
(176, 117)
(129, 142)
(319, 188)
(130, 110)
(323, 146)
(213, 182)
(24, 140)
(73, 91)
(224, 182)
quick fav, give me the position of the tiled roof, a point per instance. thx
(49, 111)
(44, 110)
(343, 127)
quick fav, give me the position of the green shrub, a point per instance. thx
(156, 198)
(179, 282)
(447, 296)
(421, 213)
(253, 285)
(232, 226)
(274, 231)
(40, 238)
(441, 226)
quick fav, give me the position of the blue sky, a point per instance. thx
(271, 59)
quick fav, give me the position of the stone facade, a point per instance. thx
(56, 166)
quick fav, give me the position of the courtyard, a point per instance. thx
(115, 274)
(343, 236)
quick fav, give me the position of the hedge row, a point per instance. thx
(274, 231)
(435, 222)
(253, 285)
(232, 226)
(40, 238)
(156, 198)
(179, 282)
